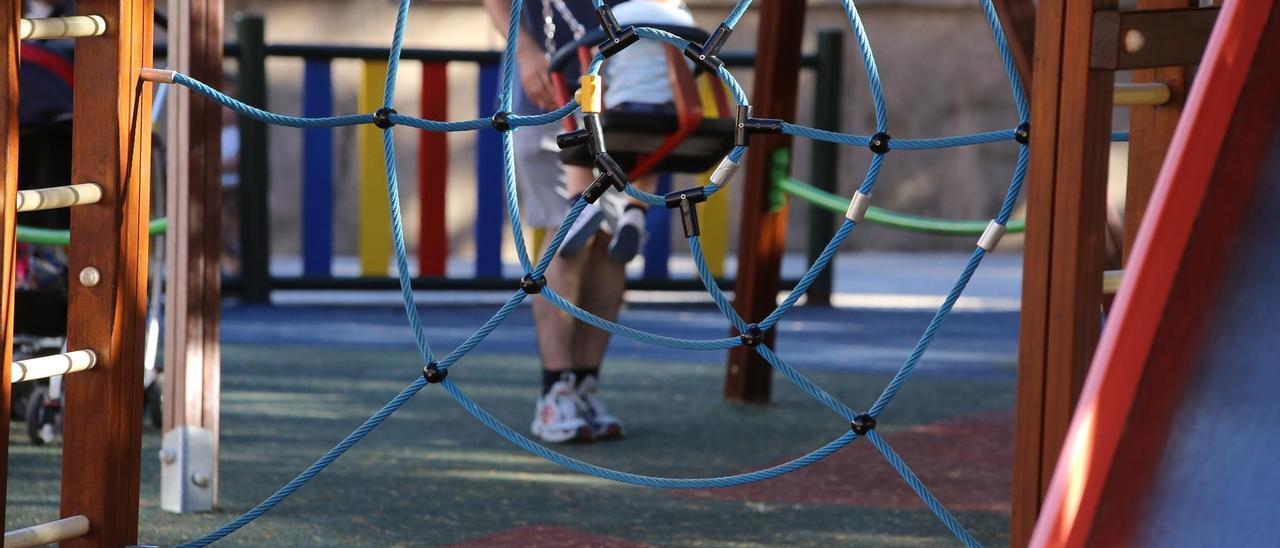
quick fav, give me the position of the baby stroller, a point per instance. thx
(40, 301)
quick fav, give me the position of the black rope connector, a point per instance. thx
(618, 37)
(572, 139)
(747, 126)
(531, 285)
(879, 143)
(753, 336)
(595, 133)
(501, 121)
(1023, 133)
(686, 201)
(611, 175)
(863, 424)
(434, 374)
(707, 55)
(382, 118)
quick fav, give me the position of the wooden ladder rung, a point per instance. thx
(58, 197)
(47, 533)
(1111, 281)
(1151, 94)
(74, 26)
(49, 366)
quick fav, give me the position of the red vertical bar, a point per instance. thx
(433, 173)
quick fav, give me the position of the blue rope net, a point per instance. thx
(536, 270)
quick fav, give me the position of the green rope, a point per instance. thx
(48, 236)
(839, 204)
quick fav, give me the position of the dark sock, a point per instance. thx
(636, 206)
(550, 378)
(583, 372)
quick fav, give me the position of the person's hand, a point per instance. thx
(535, 75)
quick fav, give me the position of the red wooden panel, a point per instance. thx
(433, 173)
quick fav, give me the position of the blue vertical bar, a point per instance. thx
(489, 189)
(657, 249)
(317, 172)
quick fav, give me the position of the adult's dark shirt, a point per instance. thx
(533, 28)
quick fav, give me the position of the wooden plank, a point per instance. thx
(763, 228)
(374, 228)
(8, 201)
(194, 206)
(1150, 38)
(317, 171)
(102, 433)
(1150, 130)
(1062, 269)
(433, 173)
(1079, 222)
(1018, 18)
(1035, 279)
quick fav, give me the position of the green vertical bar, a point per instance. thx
(255, 226)
(824, 164)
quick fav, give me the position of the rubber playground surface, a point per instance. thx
(296, 379)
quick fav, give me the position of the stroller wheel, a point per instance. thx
(42, 419)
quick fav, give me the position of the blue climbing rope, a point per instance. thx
(537, 271)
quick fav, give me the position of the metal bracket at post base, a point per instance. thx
(187, 474)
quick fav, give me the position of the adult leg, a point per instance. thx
(601, 291)
(559, 415)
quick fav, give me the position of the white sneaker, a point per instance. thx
(560, 415)
(589, 221)
(628, 236)
(603, 425)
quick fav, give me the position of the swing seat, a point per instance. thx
(692, 139)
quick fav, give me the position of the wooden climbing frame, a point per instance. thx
(1071, 112)
(111, 148)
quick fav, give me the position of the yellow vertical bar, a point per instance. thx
(375, 216)
(715, 227)
(715, 212)
(538, 236)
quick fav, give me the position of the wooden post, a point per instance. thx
(1150, 130)
(763, 223)
(102, 451)
(1063, 257)
(8, 200)
(193, 253)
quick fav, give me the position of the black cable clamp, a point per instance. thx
(501, 121)
(382, 118)
(1023, 133)
(753, 336)
(687, 200)
(434, 374)
(611, 175)
(531, 285)
(707, 55)
(747, 126)
(595, 133)
(572, 138)
(619, 38)
(879, 143)
(863, 424)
